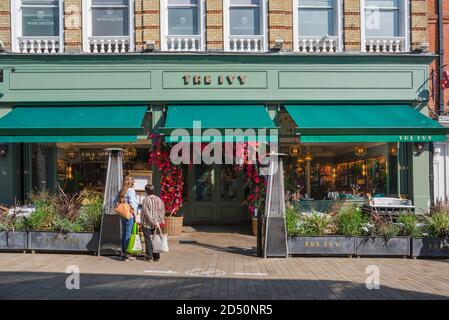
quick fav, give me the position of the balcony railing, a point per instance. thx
(38, 44)
(319, 44)
(246, 43)
(384, 45)
(183, 43)
(110, 44)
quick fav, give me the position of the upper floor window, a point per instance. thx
(108, 25)
(317, 25)
(385, 25)
(36, 26)
(181, 25)
(245, 25)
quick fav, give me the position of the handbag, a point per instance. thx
(134, 245)
(159, 241)
(124, 210)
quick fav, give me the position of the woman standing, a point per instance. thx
(153, 214)
(127, 194)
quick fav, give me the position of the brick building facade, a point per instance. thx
(280, 20)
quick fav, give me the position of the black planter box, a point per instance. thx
(376, 246)
(13, 240)
(70, 242)
(325, 245)
(430, 248)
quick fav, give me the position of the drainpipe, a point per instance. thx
(440, 108)
(440, 56)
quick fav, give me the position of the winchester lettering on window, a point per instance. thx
(221, 80)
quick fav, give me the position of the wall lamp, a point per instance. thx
(150, 46)
(3, 150)
(420, 147)
(278, 44)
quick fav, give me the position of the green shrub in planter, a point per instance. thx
(44, 214)
(292, 221)
(408, 224)
(350, 221)
(437, 224)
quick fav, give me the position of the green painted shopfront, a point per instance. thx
(348, 123)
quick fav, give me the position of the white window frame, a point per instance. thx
(338, 22)
(404, 23)
(87, 25)
(263, 22)
(16, 24)
(164, 23)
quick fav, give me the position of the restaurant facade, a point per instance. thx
(344, 84)
(349, 124)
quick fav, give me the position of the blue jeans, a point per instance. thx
(127, 229)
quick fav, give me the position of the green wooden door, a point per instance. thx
(215, 196)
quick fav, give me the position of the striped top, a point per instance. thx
(153, 211)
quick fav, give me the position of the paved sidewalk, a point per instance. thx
(219, 265)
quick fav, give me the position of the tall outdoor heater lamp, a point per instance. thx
(110, 238)
(275, 239)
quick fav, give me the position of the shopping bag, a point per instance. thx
(159, 241)
(134, 245)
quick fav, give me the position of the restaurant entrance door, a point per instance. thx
(216, 195)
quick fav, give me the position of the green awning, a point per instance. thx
(364, 123)
(72, 124)
(219, 123)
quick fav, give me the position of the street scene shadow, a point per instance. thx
(35, 285)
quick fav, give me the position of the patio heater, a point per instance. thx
(275, 233)
(110, 238)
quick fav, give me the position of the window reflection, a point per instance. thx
(203, 183)
(228, 183)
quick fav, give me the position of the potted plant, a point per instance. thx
(312, 233)
(12, 234)
(383, 239)
(65, 222)
(433, 241)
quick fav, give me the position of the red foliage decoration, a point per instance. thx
(172, 181)
(256, 184)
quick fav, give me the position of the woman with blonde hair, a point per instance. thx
(127, 194)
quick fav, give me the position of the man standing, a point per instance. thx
(153, 213)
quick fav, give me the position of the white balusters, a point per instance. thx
(317, 44)
(387, 45)
(110, 45)
(249, 44)
(38, 45)
(180, 44)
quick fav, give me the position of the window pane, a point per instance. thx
(317, 3)
(316, 22)
(110, 2)
(245, 21)
(39, 21)
(110, 22)
(183, 2)
(245, 2)
(40, 2)
(382, 23)
(382, 3)
(183, 21)
(203, 182)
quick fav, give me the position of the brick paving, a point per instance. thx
(213, 263)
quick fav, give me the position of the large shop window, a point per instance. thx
(181, 25)
(36, 26)
(317, 25)
(245, 25)
(108, 26)
(385, 25)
